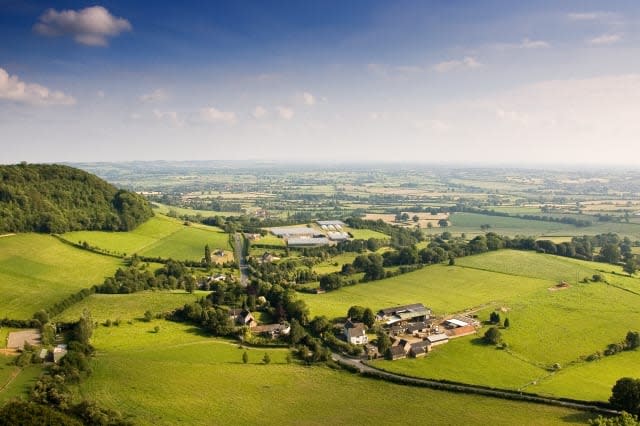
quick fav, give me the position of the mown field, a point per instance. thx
(334, 264)
(36, 271)
(160, 236)
(16, 382)
(129, 306)
(159, 378)
(547, 328)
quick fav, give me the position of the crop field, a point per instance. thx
(36, 271)
(471, 222)
(159, 378)
(129, 306)
(159, 236)
(183, 211)
(271, 240)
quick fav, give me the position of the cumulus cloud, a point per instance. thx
(525, 44)
(308, 98)
(285, 113)
(213, 115)
(468, 62)
(259, 112)
(170, 117)
(91, 26)
(605, 39)
(589, 16)
(155, 96)
(13, 89)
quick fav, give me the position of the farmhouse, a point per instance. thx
(397, 352)
(59, 352)
(355, 333)
(406, 313)
(268, 257)
(242, 317)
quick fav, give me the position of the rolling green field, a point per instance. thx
(365, 234)
(16, 382)
(36, 271)
(159, 378)
(128, 306)
(547, 327)
(334, 264)
(160, 236)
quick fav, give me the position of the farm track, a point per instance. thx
(13, 376)
(368, 370)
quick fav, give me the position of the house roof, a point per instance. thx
(415, 326)
(397, 350)
(416, 309)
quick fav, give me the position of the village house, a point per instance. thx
(355, 333)
(242, 317)
(419, 349)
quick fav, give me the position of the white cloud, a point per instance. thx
(155, 96)
(259, 112)
(100, 93)
(524, 44)
(13, 89)
(285, 113)
(468, 62)
(590, 16)
(437, 126)
(308, 98)
(90, 26)
(605, 39)
(212, 115)
(170, 117)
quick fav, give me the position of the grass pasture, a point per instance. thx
(16, 382)
(547, 327)
(365, 234)
(334, 264)
(36, 271)
(159, 379)
(160, 236)
(129, 306)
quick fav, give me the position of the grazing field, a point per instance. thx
(445, 289)
(160, 236)
(547, 327)
(183, 211)
(159, 378)
(129, 306)
(334, 264)
(365, 234)
(36, 271)
(270, 239)
(471, 222)
(16, 382)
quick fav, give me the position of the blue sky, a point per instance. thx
(539, 82)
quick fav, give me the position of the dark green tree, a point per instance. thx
(245, 357)
(632, 340)
(266, 359)
(368, 317)
(630, 266)
(207, 256)
(507, 323)
(492, 336)
(625, 395)
(384, 342)
(84, 328)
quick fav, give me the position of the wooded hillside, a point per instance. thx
(56, 199)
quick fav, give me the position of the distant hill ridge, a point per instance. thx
(53, 198)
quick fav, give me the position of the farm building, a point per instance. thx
(397, 352)
(295, 231)
(437, 339)
(338, 236)
(334, 223)
(355, 333)
(17, 339)
(408, 313)
(308, 242)
(59, 352)
(268, 257)
(272, 330)
(419, 349)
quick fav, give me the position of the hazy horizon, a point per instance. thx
(497, 83)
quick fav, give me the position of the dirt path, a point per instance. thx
(7, 235)
(11, 379)
(8, 352)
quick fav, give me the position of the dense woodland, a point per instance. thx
(55, 199)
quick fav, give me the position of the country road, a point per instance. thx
(366, 369)
(242, 263)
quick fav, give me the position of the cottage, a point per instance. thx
(268, 257)
(371, 351)
(242, 317)
(355, 333)
(59, 352)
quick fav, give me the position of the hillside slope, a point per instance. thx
(55, 199)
